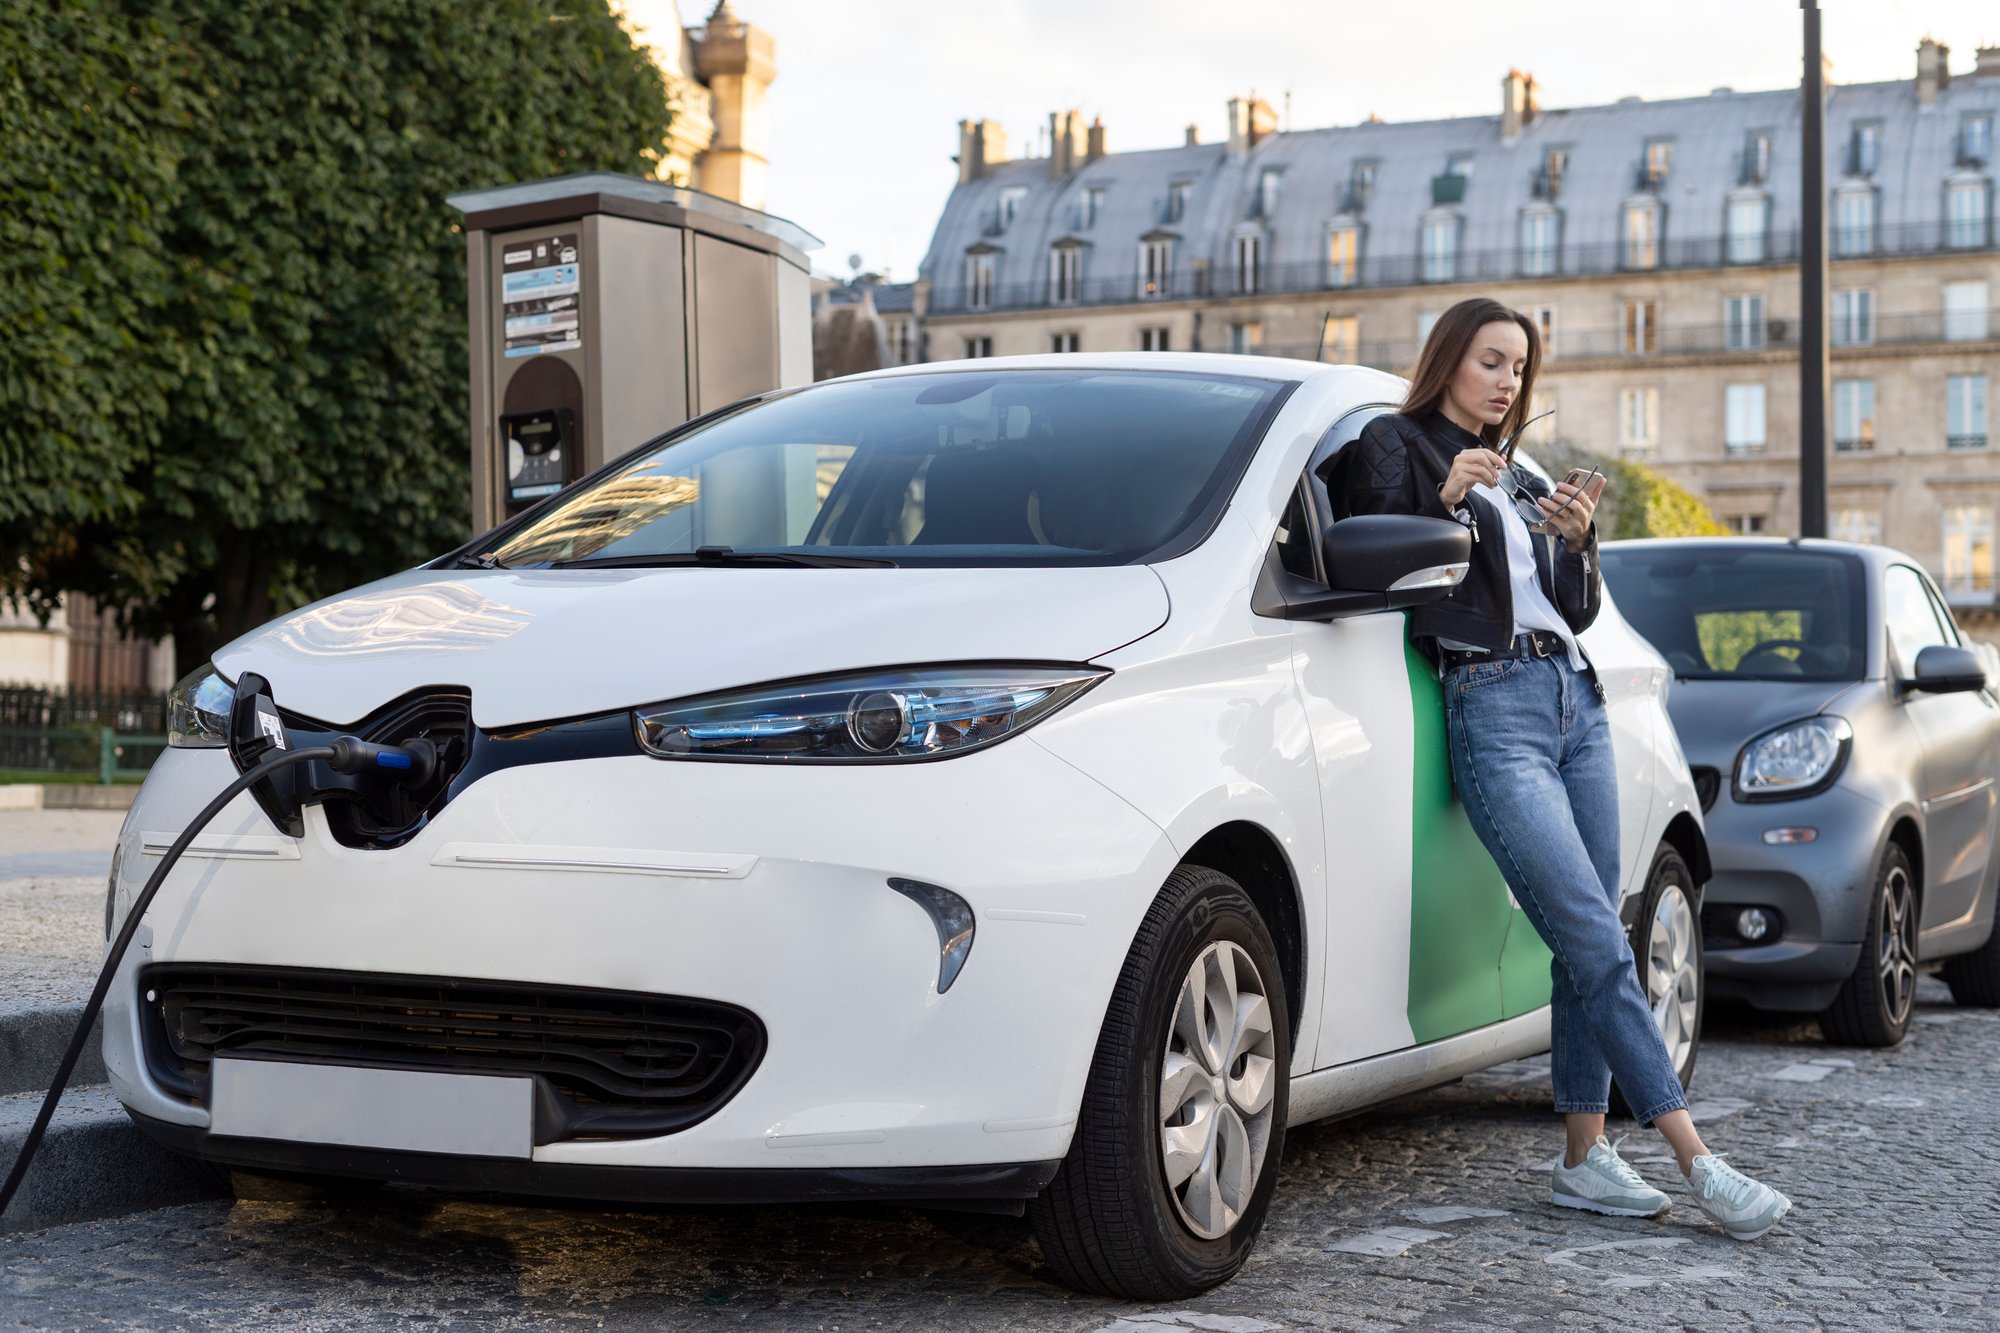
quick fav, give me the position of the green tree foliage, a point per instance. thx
(1637, 501)
(268, 403)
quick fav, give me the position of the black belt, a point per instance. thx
(1535, 643)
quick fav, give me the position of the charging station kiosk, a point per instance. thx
(605, 309)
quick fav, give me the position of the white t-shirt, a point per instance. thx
(1532, 608)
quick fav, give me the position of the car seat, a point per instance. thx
(978, 497)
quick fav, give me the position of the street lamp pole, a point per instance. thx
(1812, 286)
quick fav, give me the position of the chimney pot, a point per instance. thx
(1933, 70)
(1987, 61)
(1193, 135)
(1095, 140)
(1519, 103)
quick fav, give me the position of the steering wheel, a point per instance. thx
(1772, 646)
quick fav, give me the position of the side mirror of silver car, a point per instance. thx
(1944, 669)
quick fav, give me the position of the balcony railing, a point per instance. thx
(1370, 269)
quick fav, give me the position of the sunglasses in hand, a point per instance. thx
(1513, 483)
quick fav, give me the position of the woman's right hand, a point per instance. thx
(1472, 467)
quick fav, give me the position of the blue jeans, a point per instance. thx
(1531, 756)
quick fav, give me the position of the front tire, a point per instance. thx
(1176, 1150)
(1874, 1006)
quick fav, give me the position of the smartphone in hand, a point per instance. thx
(1591, 482)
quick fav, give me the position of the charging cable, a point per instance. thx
(399, 763)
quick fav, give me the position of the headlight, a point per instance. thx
(866, 717)
(198, 711)
(1797, 759)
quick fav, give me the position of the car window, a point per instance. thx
(1720, 611)
(1943, 613)
(1342, 433)
(955, 468)
(1909, 617)
(1294, 541)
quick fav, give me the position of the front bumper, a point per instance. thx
(1820, 889)
(773, 897)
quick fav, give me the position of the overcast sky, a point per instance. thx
(869, 93)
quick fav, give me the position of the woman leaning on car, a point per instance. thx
(1530, 742)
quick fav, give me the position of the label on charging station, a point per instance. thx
(540, 291)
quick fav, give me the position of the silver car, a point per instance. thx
(1844, 740)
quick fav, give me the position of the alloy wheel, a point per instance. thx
(1897, 950)
(1217, 1083)
(1673, 973)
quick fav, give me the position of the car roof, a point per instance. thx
(1874, 555)
(1360, 379)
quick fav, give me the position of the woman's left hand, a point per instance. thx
(1569, 513)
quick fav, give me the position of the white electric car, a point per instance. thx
(990, 783)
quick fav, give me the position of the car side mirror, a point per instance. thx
(1944, 669)
(1374, 562)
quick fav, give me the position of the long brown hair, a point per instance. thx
(1446, 347)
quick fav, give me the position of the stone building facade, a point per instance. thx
(1655, 242)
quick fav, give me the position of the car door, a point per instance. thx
(1956, 735)
(1417, 910)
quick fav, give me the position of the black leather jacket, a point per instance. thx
(1396, 467)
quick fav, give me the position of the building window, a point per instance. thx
(1177, 199)
(1757, 158)
(1965, 312)
(979, 281)
(1340, 339)
(1245, 338)
(1854, 222)
(1064, 342)
(1155, 268)
(1659, 161)
(1743, 412)
(1538, 243)
(1965, 411)
(1426, 321)
(1545, 324)
(1066, 273)
(902, 341)
(1638, 420)
(1011, 199)
(978, 347)
(1269, 183)
(1153, 339)
(1975, 140)
(1746, 525)
(1642, 328)
(1968, 552)
(1867, 154)
(1440, 248)
(1343, 244)
(1249, 263)
(1093, 203)
(1362, 183)
(1642, 234)
(1965, 215)
(1554, 163)
(1853, 317)
(1743, 323)
(1746, 229)
(1856, 525)
(1853, 415)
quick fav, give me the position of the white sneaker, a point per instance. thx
(1743, 1207)
(1603, 1182)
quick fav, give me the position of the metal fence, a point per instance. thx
(57, 734)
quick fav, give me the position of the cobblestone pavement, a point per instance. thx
(1430, 1213)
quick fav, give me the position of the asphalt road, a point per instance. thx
(1430, 1213)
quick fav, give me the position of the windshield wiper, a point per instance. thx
(486, 561)
(725, 555)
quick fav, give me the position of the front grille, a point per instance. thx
(611, 1063)
(1707, 785)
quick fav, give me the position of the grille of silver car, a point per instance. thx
(612, 1063)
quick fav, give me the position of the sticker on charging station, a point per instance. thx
(539, 295)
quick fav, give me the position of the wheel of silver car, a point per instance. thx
(1874, 1006)
(1216, 1082)
(1673, 972)
(1170, 1171)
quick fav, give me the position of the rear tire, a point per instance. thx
(1974, 977)
(1666, 949)
(1172, 1068)
(1874, 1005)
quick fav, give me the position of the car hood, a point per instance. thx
(535, 645)
(1715, 717)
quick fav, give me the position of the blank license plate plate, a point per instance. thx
(472, 1115)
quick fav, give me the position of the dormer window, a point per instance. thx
(1459, 164)
(1659, 161)
(1177, 199)
(1361, 183)
(1757, 158)
(1268, 185)
(1011, 199)
(1549, 184)
(1866, 153)
(1975, 139)
(1093, 201)
(1641, 233)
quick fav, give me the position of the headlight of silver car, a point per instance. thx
(1797, 759)
(865, 717)
(198, 711)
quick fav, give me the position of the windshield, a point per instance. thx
(1722, 612)
(1021, 467)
